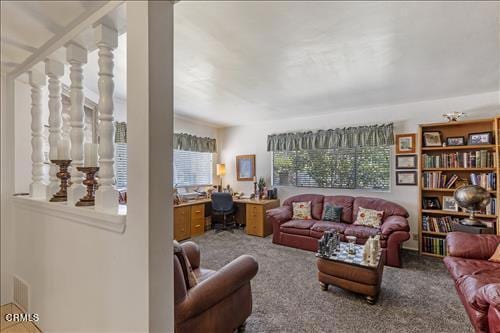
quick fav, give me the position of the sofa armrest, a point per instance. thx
(217, 287)
(394, 223)
(192, 251)
(471, 246)
(279, 215)
(486, 296)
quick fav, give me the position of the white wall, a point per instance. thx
(252, 139)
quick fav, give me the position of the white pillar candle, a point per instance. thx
(63, 149)
(90, 155)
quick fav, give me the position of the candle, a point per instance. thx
(90, 155)
(63, 149)
(254, 179)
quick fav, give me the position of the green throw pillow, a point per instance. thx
(331, 213)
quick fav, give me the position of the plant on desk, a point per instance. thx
(262, 186)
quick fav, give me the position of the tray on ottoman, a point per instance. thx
(351, 272)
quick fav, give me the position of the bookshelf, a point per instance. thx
(438, 169)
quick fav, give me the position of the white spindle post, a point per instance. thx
(65, 117)
(76, 56)
(38, 187)
(107, 40)
(54, 70)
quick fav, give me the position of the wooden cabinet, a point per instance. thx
(197, 220)
(256, 223)
(182, 223)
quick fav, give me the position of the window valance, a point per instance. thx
(349, 137)
(183, 141)
(120, 132)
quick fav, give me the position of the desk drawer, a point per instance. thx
(255, 219)
(182, 217)
(197, 219)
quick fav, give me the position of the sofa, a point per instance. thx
(304, 234)
(220, 301)
(477, 280)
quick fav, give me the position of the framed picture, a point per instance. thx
(406, 178)
(484, 138)
(405, 143)
(432, 139)
(245, 167)
(431, 203)
(455, 141)
(450, 204)
(406, 161)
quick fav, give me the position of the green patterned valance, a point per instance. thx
(120, 132)
(183, 141)
(349, 137)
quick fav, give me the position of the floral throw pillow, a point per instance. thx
(302, 210)
(369, 217)
(331, 213)
(496, 256)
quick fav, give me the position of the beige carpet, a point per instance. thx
(420, 297)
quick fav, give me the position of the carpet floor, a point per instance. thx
(420, 297)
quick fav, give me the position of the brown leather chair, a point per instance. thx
(221, 301)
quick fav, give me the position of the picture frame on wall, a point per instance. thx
(455, 141)
(245, 167)
(406, 143)
(482, 138)
(450, 204)
(432, 139)
(406, 161)
(406, 178)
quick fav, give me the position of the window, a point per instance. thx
(346, 168)
(121, 157)
(192, 168)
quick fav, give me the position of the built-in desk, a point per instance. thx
(189, 217)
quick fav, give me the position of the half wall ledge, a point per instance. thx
(106, 220)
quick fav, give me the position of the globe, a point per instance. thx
(473, 198)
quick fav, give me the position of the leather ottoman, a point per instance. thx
(359, 279)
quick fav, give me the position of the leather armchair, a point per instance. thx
(221, 301)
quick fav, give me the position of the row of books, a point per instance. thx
(434, 245)
(436, 179)
(438, 224)
(485, 180)
(491, 208)
(474, 159)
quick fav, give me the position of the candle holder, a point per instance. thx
(255, 189)
(64, 176)
(91, 183)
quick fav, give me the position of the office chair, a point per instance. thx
(223, 205)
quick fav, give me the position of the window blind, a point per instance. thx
(121, 157)
(192, 168)
(343, 168)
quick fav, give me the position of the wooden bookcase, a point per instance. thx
(455, 129)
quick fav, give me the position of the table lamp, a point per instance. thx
(220, 171)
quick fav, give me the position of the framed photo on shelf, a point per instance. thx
(405, 143)
(483, 138)
(432, 139)
(450, 204)
(406, 178)
(455, 141)
(431, 203)
(406, 161)
(245, 167)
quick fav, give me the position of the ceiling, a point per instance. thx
(240, 62)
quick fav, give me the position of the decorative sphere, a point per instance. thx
(472, 197)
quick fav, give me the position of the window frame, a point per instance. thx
(211, 173)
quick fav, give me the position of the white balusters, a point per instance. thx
(38, 187)
(54, 71)
(76, 56)
(106, 40)
(65, 117)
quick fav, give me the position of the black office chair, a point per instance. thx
(223, 205)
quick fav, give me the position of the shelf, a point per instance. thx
(448, 190)
(458, 169)
(434, 233)
(452, 213)
(471, 147)
(431, 254)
